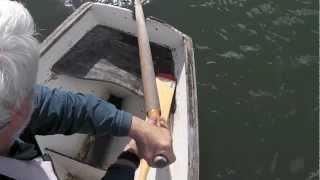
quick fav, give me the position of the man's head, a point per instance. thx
(19, 55)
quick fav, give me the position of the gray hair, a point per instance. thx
(19, 55)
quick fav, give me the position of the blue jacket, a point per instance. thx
(60, 112)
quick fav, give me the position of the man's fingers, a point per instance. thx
(156, 141)
(152, 121)
(172, 158)
(149, 159)
(163, 124)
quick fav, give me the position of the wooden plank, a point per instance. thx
(166, 89)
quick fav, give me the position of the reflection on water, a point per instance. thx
(257, 68)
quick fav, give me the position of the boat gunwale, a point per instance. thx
(193, 118)
(68, 23)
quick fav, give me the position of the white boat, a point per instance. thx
(95, 51)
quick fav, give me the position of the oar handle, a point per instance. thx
(160, 160)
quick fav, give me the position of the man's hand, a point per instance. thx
(152, 140)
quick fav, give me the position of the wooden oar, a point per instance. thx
(151, 97)
(166, 89)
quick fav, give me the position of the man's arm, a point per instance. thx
(60, 112)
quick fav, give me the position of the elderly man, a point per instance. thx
(26, 108)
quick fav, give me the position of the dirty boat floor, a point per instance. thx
(103, 51)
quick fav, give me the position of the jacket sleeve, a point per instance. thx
(60, 112)
(119, 172)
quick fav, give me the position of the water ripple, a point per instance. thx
(250, 48)
(225, 5)
(232, 55)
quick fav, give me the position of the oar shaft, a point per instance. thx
(151, 96)
(147, 70)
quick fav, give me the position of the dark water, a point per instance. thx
(257, 74)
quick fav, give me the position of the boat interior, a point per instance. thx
(105, 61)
